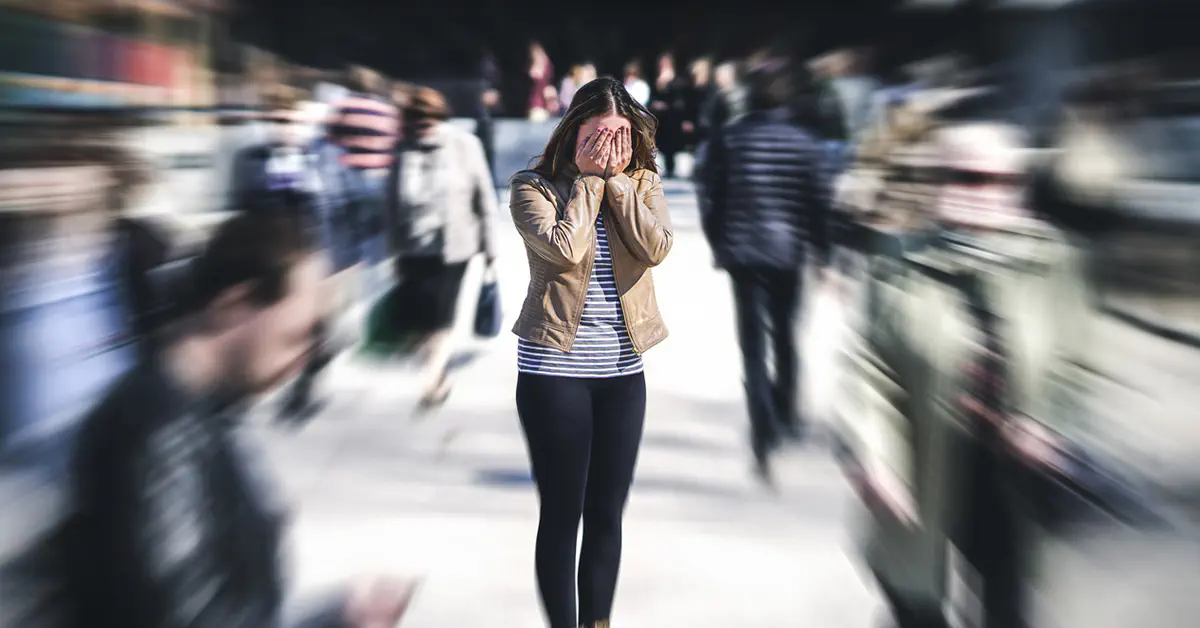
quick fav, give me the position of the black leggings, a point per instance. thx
(583, 436)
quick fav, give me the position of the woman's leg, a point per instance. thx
(439, 345)
(618, 412)
(556, 415)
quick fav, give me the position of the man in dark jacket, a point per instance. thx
(769, 207)
(173, 524)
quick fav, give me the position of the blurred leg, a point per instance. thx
(783, 298)
(748, 296)
(556, 416)
(619, 411)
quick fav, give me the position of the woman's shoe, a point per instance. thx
(436, 396)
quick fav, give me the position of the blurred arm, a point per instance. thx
(819, 193)
(713, 182)
(641, 218)
(562, 242)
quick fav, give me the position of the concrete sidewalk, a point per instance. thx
(449, 496)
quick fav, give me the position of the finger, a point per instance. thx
(627, 143)
(601, 146)
(606, 150)
(588, 143)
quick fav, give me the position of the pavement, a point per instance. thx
(448, 496)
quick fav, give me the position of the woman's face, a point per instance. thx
(609, 121)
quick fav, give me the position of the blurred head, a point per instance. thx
(666, 61)
(602, 103)
(536, 52)
(258, 297)
(701, 71)
(287, 119)
(364, 80)
(725, 76)
(427, 108)
(633, 70)
(769, 84)
(587, 73)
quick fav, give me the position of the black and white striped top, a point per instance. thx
(602, 346)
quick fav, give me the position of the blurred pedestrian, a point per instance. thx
(637, 87)
(443, 207)
(287, 171)
(367, 126)
(541, 77)
(768, 210)
(175, 523)
(581, 74)
(700, 91)
(669, 103)
(723, 104)
(277, 166)
(594, 220)
(488, 108)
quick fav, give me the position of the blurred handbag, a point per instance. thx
(488, 316)
(385, 333)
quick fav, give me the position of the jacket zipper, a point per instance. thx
(620, 293)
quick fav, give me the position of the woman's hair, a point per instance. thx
(426, 103)
(600, 97)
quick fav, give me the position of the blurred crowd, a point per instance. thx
(1022, 304)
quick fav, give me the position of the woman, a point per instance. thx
(443, 206)
(541, 77)
(594, 221)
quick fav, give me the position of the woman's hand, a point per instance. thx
(621, 153)
(592, 156)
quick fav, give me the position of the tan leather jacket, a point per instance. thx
(556, 219)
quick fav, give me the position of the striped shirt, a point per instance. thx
(369, 126)
(602, 345)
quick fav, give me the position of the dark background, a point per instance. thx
(443, 41)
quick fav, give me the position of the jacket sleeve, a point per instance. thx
(819, 194)
(484, 201)
(713, 181)
(641, 218)
(174, 578)
(562, 242)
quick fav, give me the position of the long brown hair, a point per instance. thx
(600, 97)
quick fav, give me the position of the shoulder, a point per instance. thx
(531, 179)
(121, 428)
(529, 182)
(462, 138)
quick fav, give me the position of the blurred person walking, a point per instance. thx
(442, 204)
(541, 82)
(594, 220)
(637, 87)
(697, 91)
(669, 104)
(488, 108)
(768, 209)
(367, 127)
(175, 522)
(310, 179)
